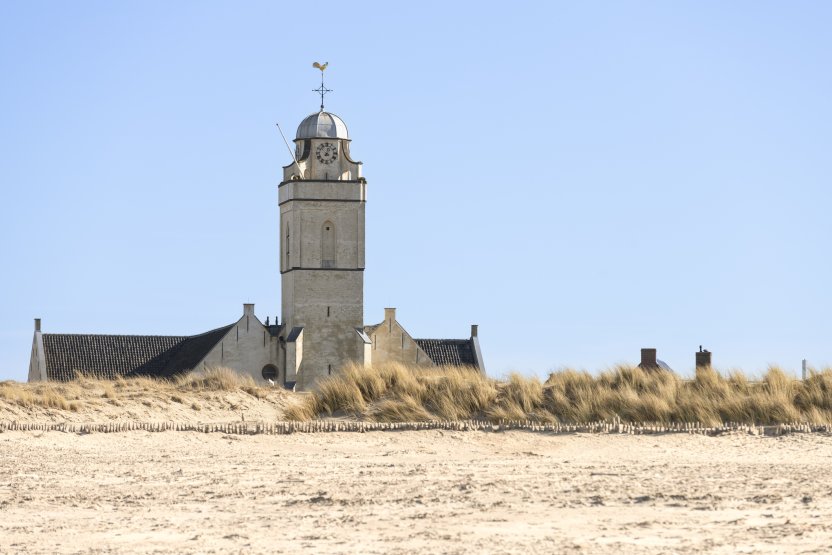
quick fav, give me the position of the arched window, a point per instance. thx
(328, 245)
(270, 372)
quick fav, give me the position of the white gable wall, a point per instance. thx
(37, 360)
(392, 343)
(246, 348)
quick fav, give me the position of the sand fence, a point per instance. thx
(324, 426)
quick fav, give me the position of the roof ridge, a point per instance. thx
(112, 335)
(229, 326)
(440, 339)
(137, 334)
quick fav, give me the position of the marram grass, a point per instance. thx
(84, 391)
(401, 393)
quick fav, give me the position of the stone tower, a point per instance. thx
(322, 199)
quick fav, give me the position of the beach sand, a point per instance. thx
(411, 492)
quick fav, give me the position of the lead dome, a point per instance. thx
(322, 125)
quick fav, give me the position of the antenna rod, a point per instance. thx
(289, 149)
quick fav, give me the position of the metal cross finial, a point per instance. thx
(322, 90)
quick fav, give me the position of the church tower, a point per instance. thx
(322, 199)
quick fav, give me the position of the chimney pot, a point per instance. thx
(474, 330)
(703, 358)
(37, 324)
(648, 358)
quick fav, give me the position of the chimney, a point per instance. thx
(648, 358)
(474, 330)
(703, 358)
(37, 324)
(248, 309)
(389, 314)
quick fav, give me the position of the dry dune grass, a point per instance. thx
(396, 392)
(194, 391)
(401, 393)
(47, 395)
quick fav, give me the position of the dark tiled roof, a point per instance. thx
(659, 364)
(110, 356)
(294, 334)
(190, 352)
(371, 328)
(449, 352)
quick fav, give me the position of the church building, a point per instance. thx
(322, 201)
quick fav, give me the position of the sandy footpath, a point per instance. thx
(414, 492)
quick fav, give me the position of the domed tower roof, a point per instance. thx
(322, 125)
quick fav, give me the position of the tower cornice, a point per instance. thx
(360, 180)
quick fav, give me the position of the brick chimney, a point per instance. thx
(648, 358)
(703, 358)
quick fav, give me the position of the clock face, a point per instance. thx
(326, 153)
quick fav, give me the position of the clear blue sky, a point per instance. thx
(581, 179)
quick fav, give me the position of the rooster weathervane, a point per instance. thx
(321, 90)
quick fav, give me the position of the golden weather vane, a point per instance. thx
(321, 90)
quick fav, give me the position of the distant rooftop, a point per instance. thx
(449, 352)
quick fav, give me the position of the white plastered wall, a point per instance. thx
(246, 348)
(37, 360)
(392, 343)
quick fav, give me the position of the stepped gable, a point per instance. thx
(449, 352)
(111, 356)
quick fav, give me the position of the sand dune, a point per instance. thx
(405, 492)
(226, 397)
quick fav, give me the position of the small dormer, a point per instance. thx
(322, 151)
